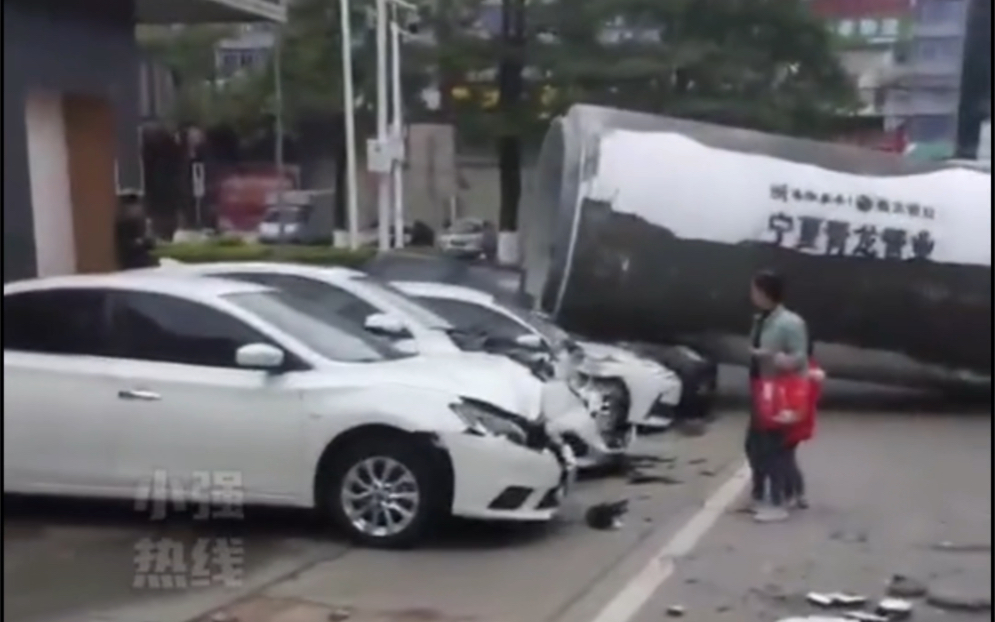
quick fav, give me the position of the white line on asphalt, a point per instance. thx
(631, 599)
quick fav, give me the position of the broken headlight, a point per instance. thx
(488, 420)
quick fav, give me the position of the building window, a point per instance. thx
(890, 27)
(932, 50)
(847, 28)
(942, 11)
(869, 27)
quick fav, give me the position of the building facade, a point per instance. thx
(71, 110)
(927, 93)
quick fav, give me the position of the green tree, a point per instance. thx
(764, 64)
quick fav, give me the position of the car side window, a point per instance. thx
(157, 327)
(56, 321)
(473, 317)
(327, 297)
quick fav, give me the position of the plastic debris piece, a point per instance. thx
(822, 600)
(676, 611)
(863, 616)
(843, 599)
(894, 609)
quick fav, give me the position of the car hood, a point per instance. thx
(607, 352)
(486, 377)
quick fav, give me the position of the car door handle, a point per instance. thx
(139, 394)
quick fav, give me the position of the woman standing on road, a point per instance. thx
(779, 346)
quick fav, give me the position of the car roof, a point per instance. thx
(318, 272)
(181, 285)
(444, 290)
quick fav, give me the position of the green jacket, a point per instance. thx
(784, 332)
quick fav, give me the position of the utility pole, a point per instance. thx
(510, 87)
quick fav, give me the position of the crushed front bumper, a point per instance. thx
(495, 479)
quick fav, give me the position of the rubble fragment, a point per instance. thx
(637, 478)
(863, 616)
(606, 516)
(894, 609)
(821, 600)
(340, 615)
(902, 586)
(675, 611)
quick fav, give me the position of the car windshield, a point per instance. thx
(550, 331)
(466, 226)
(305, 321)
(290, 214)
(395, 297)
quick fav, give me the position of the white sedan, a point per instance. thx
(115, 380)
(411, 326)
(631, 386)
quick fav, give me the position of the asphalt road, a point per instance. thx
(899, 484)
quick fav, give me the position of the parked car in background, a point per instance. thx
(632, 390)
(114, 380)
(286, 224)
(410, 326)
(463, 238)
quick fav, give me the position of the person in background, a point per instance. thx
(489, 243)
(132, 239)
(779, 346)
(804, 431)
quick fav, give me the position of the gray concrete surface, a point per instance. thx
(75, 561)
(891, 494)
(903, 482)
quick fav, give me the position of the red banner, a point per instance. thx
(242, 194)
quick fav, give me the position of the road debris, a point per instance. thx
(340, 615)
(836, 599)
(864, 616)
(638, 478)
(954, 547)
(894, 609)
(902, 586)
(676, 611)
(606, 516)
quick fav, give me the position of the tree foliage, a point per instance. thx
(764, 64)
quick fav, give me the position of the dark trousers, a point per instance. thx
(770, 461)
(795, 488)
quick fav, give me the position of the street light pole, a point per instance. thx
(510, 86)
(383, 186)
(348, 105)
(278, 132)
(397, 166)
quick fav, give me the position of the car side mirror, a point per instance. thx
(531, 341)
(384, 324)
(260, 356)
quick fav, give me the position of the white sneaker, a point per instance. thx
(750, 506)
(771, 515)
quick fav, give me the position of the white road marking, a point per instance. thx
(631, 599)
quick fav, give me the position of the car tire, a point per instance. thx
(410, 461)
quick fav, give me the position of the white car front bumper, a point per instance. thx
(496, 479)
(646, 381)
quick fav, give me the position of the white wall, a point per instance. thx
(51, 201)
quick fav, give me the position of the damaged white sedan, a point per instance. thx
(114, 380)
(411, 326)
(622, 388)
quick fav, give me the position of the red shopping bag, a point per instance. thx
(782, 401)
(805, 429)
